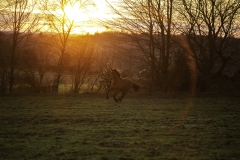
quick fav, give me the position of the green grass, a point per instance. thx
(141, 127)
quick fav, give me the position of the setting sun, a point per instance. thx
(81, 17)
(85, 18)
(74, 13)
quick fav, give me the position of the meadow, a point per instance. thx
(88, 126)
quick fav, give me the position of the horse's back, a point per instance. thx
(122, 84)
(127, 83)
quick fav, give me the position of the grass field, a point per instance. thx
(141, 127)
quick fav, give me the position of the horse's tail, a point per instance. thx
(136, 87)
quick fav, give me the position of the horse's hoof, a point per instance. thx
(119, 100)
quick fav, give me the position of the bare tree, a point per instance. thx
(43, 50)
(3, 66)
(210, 27)
(19, 19)
(34, 62)
(61, 26)
(149, 24)
(82, 59)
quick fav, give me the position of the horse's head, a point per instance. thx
(115, 73)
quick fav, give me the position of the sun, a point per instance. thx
(85, 18)
(76, 14)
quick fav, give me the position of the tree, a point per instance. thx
(82, 59)
(43, 50)
(210, 27)
(61, 25)
(19, 20)
(3, 65)
(34, 62)
(149, 24)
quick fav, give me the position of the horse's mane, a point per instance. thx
(117, 71)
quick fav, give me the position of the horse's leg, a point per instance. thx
(109, 91)
(123, 94)
(114, 95)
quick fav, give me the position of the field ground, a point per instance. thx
(141, 127)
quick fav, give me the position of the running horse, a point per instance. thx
(121, 84)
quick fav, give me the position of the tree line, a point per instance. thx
(174, 45)
(207, 41)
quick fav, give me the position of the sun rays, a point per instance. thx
(86, 17)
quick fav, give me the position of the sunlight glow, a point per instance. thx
(83, 18)
(86, 18)
(75, 13)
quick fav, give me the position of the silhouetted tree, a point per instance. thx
(61, 25)
(18, 19)
(81, 62)
(3, 65)
(149, 24)
(210, 27)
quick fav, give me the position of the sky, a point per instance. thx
(90, 16)
(87, 18)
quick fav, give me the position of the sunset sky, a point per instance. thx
(86, 18)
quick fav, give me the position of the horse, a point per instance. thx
(121, 84)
